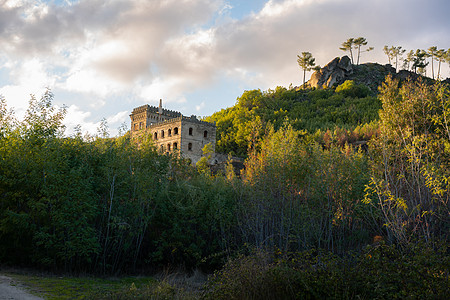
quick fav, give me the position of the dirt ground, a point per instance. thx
(12, 290)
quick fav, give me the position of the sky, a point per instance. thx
(102, 58)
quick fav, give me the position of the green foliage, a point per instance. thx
(355, 44)
(301, 195)
(380, 272)
(130, 287)
(350, 89)
(410, 161)
(244, 124)
(95, 205)
(203, 163)
(193, 226)
(306, 62)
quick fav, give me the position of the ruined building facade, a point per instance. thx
(172, 132)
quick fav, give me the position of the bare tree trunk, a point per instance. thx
(111, 197)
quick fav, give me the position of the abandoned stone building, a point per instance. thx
(172, 132)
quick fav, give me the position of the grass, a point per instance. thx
(175, 286)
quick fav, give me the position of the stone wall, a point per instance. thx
(167, 135)
(174, 133)
(194, 136)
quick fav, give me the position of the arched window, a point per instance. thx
(169, 132)
(155, 136)
(205, 134)
(162, 148)
(168, 147)
(190, 146)
(175, 130)
(175, 146)
(162, 133)
(141, 125)
(190, 130)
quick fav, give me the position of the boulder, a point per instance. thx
(345, 64)
(334, 72)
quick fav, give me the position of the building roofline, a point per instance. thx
(155, 109)
(182, 118)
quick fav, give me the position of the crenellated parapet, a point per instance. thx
(191, 119)
(153, 109)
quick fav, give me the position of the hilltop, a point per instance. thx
(372, 75)
(339, 104)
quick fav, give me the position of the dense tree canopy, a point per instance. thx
(348, 106)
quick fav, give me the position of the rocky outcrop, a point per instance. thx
(371, 75)
(334, 72)
(341, 69)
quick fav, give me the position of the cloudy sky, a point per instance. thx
(102, 58)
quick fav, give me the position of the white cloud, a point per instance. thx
(28, 77)
(75, 116)
(199, 107)
(144, 50)
(118, 118)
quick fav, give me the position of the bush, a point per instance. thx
(350, 89)
(378, 272)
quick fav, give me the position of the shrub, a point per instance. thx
(377, 272)
(350, 89)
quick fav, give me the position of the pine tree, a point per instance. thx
(306, 62)
(432, 51)
(358, 42)
(348, 46)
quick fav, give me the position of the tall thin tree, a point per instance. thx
(358, 43)
(348, 46)
(388, 53)
(407, 61)
(447, 57)
(398, 54)
(432, 53)
(306, 62)
(440, 58)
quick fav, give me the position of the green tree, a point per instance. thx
(348, 46)
(358, 43)
(388, 52)
(299, 193)
(410, 182)
(203, 164)
(408, 60)
(306, 62)
(419, 61)
(440, 57)
(432, 52)
(447, 57)
(397, 53)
